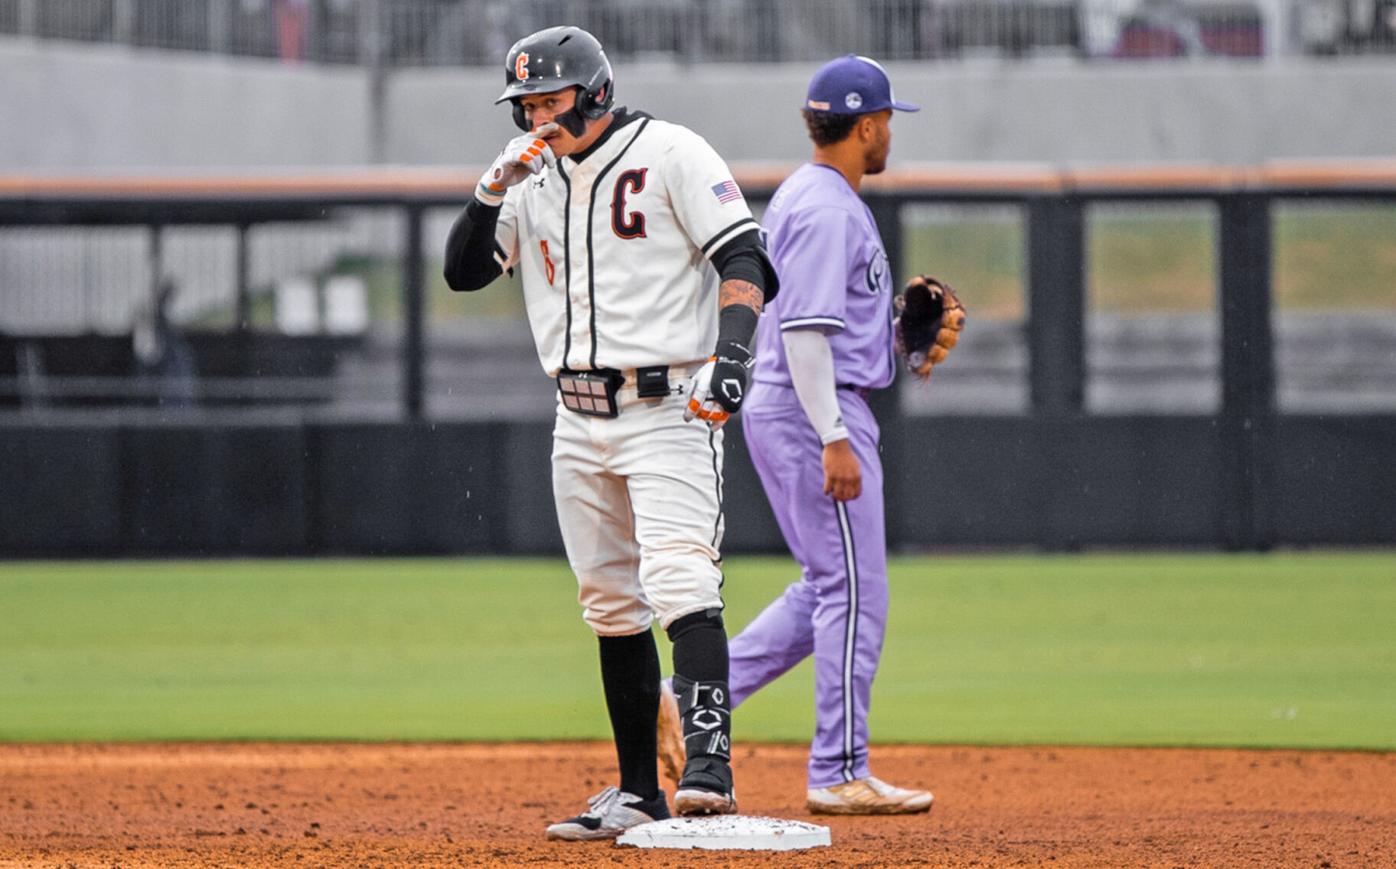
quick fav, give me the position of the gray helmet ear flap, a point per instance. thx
(593, 104)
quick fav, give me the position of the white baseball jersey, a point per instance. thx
(614, 249)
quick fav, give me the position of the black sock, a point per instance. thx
(700, 683)
(630, 676)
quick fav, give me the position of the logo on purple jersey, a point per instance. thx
(877, 276)
(727, 191)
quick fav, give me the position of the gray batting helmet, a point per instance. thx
(556, 58)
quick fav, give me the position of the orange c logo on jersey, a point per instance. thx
(521, 66)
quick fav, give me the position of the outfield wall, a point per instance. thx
(239, 488)
(100, 482)
(71, 108)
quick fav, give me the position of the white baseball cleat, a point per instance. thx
(867, 796)
(672, 753)
(608, 814)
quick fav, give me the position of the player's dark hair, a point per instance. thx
(827, 128)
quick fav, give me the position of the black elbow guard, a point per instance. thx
(744, 258)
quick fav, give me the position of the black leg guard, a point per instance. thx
(707, 734)
(700, 685)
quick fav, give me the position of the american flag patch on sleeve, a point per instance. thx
(727, 191)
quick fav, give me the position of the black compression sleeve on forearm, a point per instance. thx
(470, 248)
(736, 324)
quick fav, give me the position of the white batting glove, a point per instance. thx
(717, 390)
(524, 155)
(701, 404)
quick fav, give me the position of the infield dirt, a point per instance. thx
(367, 805)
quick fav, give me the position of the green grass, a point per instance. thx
(978, 250)
(1146, 261)
(1327, 256)
(1278, 650)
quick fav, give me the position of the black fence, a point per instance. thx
(1058, 477)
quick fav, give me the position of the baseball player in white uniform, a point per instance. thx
(643, 276)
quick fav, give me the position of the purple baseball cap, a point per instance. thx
(853, 85)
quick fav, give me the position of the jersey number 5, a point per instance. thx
(631, 225)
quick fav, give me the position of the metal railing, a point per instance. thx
(478, 32)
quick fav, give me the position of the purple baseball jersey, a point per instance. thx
(834, 277)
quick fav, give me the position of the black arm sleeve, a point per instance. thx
(470, 248)
(744, 258)
(736, 325)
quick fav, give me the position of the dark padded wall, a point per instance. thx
(194, 489)
(1335, 480)
(434, 488)
(59, 494)
(407, 488)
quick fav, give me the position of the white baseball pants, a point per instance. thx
(639, 501)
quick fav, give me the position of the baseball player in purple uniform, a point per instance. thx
(823, 345)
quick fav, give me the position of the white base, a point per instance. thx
(727, 832)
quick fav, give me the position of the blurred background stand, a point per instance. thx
(1145, 362)
(1172, 221)
(407, 33)
(165, 370)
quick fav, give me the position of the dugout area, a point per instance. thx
(1248, 474)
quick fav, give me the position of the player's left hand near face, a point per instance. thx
(524, 155)
(718, 389)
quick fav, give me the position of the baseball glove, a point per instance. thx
(929, 319)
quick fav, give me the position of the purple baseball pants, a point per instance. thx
(838, 608)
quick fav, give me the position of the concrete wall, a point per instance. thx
(104, 107)
(1213, 112)
(92, 108)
